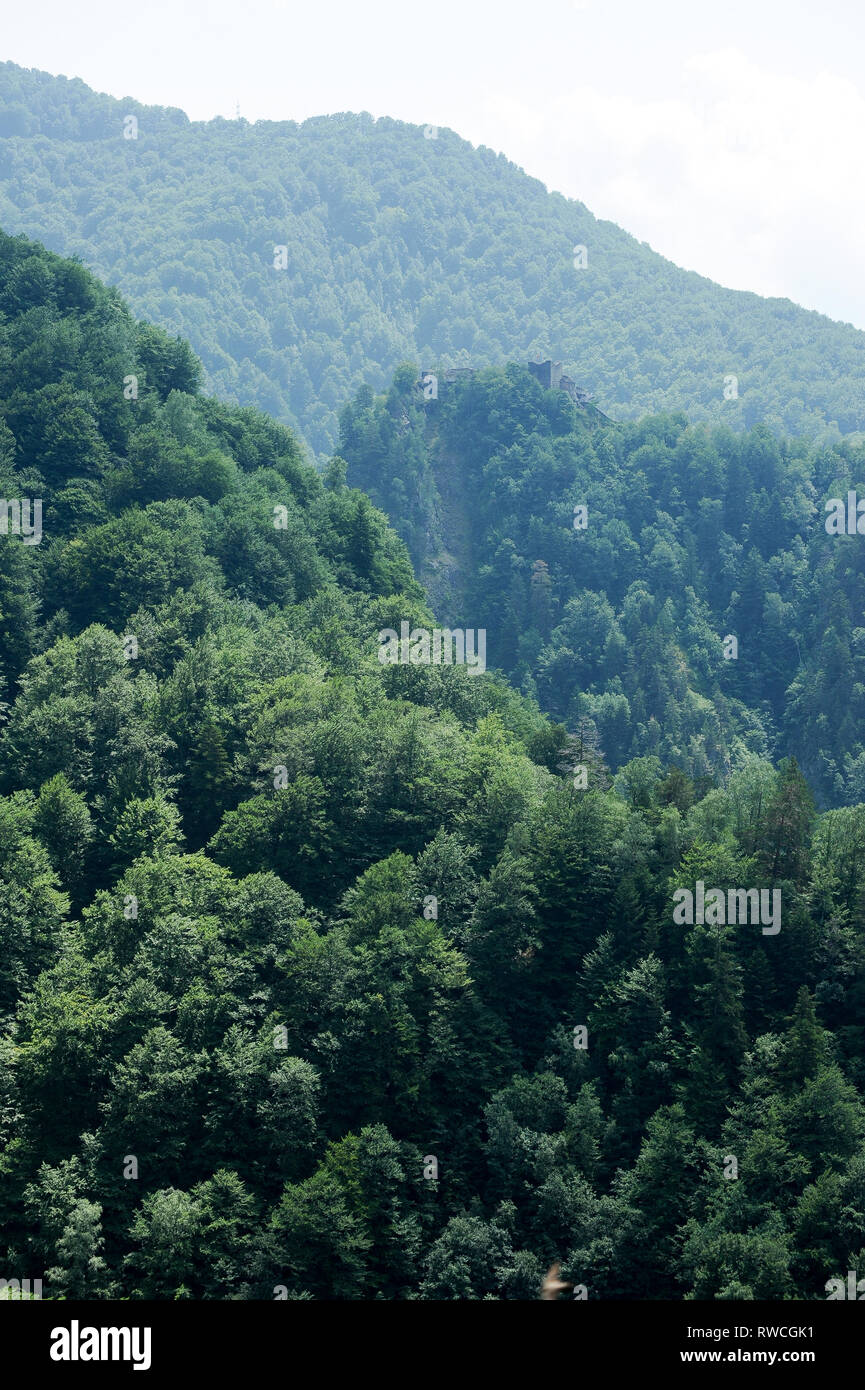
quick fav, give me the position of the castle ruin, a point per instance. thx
(548, 373)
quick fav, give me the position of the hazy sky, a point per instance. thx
(729, 135)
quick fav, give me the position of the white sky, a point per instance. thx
(728, 135)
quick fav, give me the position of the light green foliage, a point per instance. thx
(398, 249)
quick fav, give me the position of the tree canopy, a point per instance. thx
(322, 978)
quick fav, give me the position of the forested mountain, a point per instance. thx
(321, 978)
(394, 247)
(693, 534)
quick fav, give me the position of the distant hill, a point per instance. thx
(397, 248)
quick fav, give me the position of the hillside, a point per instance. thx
(396, 248)
(693, 534)
(319, 978)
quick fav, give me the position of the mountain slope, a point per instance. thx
(693, 534)
(319, 978)
(397, 248)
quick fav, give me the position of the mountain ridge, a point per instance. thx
(397, 248)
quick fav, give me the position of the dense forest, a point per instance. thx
(301, 260)
(615, 620)
(327, 979)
